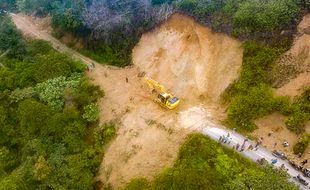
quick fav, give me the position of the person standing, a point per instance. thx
(237, 146)
(250, 147)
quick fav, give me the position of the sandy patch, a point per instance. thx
(295, 87)
(275, 123)
(189, 59)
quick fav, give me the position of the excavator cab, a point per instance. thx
(167, 100)
(163, 97)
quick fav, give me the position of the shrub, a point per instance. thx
(300, 112)
(138, 184)
(21, 94)
(91, 112)
(52, 91)
(36, 47)
(244, 108)
(104, 133)
(302, 144)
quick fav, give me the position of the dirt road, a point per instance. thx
(29, 29)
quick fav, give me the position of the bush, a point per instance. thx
(250, 96)
(91, 112)
(302, 144)
(283, 105)
(244, 108)
(300, 112)
(138, 184)
(104, 133)
(36, 47)
(52, 91)
(53, 65)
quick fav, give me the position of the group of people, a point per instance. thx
(227, 139)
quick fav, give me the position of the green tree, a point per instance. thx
(302, 144)
(264, 16)
(11, 39)
(91, 112)
(41, 169)
(33, 117)
(104, 133)
(52, 91)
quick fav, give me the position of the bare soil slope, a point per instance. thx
(275, 123)
(188, 58)
(294, 66)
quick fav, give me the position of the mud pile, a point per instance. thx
(188, 58)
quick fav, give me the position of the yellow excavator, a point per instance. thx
(164, 98)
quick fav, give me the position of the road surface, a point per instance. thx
(216, 131)
(213, 131)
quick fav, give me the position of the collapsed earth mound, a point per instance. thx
(188, 58)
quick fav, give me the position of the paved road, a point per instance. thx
(214, 131)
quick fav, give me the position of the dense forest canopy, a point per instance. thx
(49, 133)
(113, 28)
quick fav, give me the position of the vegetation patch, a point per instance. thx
(250, 96)
(302, 144)
(49, 135)
(300, 112)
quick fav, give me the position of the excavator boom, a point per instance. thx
(154, 84)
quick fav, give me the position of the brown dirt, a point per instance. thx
(293, 69)
(294, 87)
(190, 60)
(275, 123)
(42, 24)
(148, 136)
